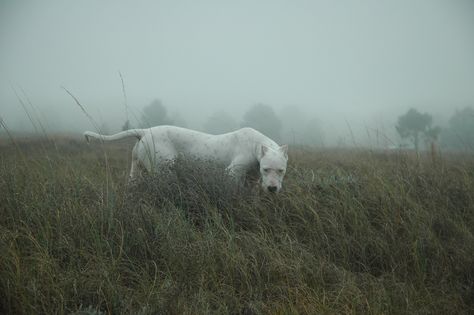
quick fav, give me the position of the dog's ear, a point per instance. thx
(284, 149)
(263, 150)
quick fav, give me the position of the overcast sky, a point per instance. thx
(359, 61)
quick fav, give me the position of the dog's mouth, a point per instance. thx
(273, 189)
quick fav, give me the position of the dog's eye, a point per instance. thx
(266, 170)
(281, 171)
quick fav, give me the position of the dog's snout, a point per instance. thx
(272, 189)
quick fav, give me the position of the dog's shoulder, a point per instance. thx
(247, 130)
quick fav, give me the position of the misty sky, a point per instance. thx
(359, 61)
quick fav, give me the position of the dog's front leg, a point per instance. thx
(235, 172)
(237, 169)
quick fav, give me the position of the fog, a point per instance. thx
(351, 66)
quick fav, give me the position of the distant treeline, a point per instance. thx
(294, 128)
(413, 130)
(416, 130)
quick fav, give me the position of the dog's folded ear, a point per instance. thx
(284, 149)
(263, 150)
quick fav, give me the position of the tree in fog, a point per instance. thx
(220, 122)
(432, 134)
(459, 134)
(412, 125)
(263, 118)
(155, 114)
(178, 120)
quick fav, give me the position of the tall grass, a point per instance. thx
(353, 232)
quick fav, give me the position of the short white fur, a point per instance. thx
(240, 150)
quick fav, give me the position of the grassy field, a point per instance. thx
(353, 232)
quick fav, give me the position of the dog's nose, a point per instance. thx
(272, 189)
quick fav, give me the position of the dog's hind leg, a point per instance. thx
(134, 171)
(137, 168)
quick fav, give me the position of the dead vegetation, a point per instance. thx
(353, 232)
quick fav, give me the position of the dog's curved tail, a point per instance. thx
(132, 133)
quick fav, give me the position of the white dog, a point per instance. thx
(240, 150)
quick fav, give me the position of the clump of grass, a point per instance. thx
(352, 232)
(194, 185)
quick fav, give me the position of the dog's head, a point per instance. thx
(273, 167)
